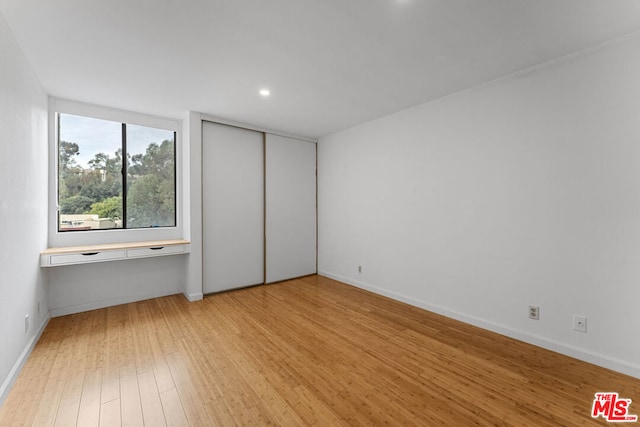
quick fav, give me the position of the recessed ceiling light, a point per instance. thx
(264, 92)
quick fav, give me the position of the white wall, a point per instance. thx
(77, 288)
(192, 163)
(23, 206)
(523, 191)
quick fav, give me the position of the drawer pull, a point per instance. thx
(90, 253)
(157, 248)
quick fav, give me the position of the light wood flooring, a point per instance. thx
(311, 351)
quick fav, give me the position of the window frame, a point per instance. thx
(116, 235)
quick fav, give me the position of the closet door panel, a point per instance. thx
(233, 207)
(290, 191)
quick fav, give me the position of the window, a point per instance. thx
(114, 175)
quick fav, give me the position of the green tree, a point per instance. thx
(151, 193)
(67, 169)
(80, 188)
(150, 202)
(66, 152)
(99, 186)
(75, 205)
(106, 164)
(98, 189)
(108, 208)
(158, 160)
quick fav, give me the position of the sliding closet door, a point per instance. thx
(233, 207)
(290, 208)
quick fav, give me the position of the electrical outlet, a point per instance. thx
(360, 269)
(38, 307)
(579, 323)
(534, 312)
(26, 323)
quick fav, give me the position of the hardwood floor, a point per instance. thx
(310, 351)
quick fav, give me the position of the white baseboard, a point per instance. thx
(72, 309)
(17, 367)
(193, 297)
(622, 366)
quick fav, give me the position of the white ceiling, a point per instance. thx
(330, 64)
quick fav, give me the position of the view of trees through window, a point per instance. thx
(114, 175)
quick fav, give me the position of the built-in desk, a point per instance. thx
(70, 255)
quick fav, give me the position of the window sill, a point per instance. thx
(72, 255)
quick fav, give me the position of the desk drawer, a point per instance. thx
(86, 257)
(155, 251)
